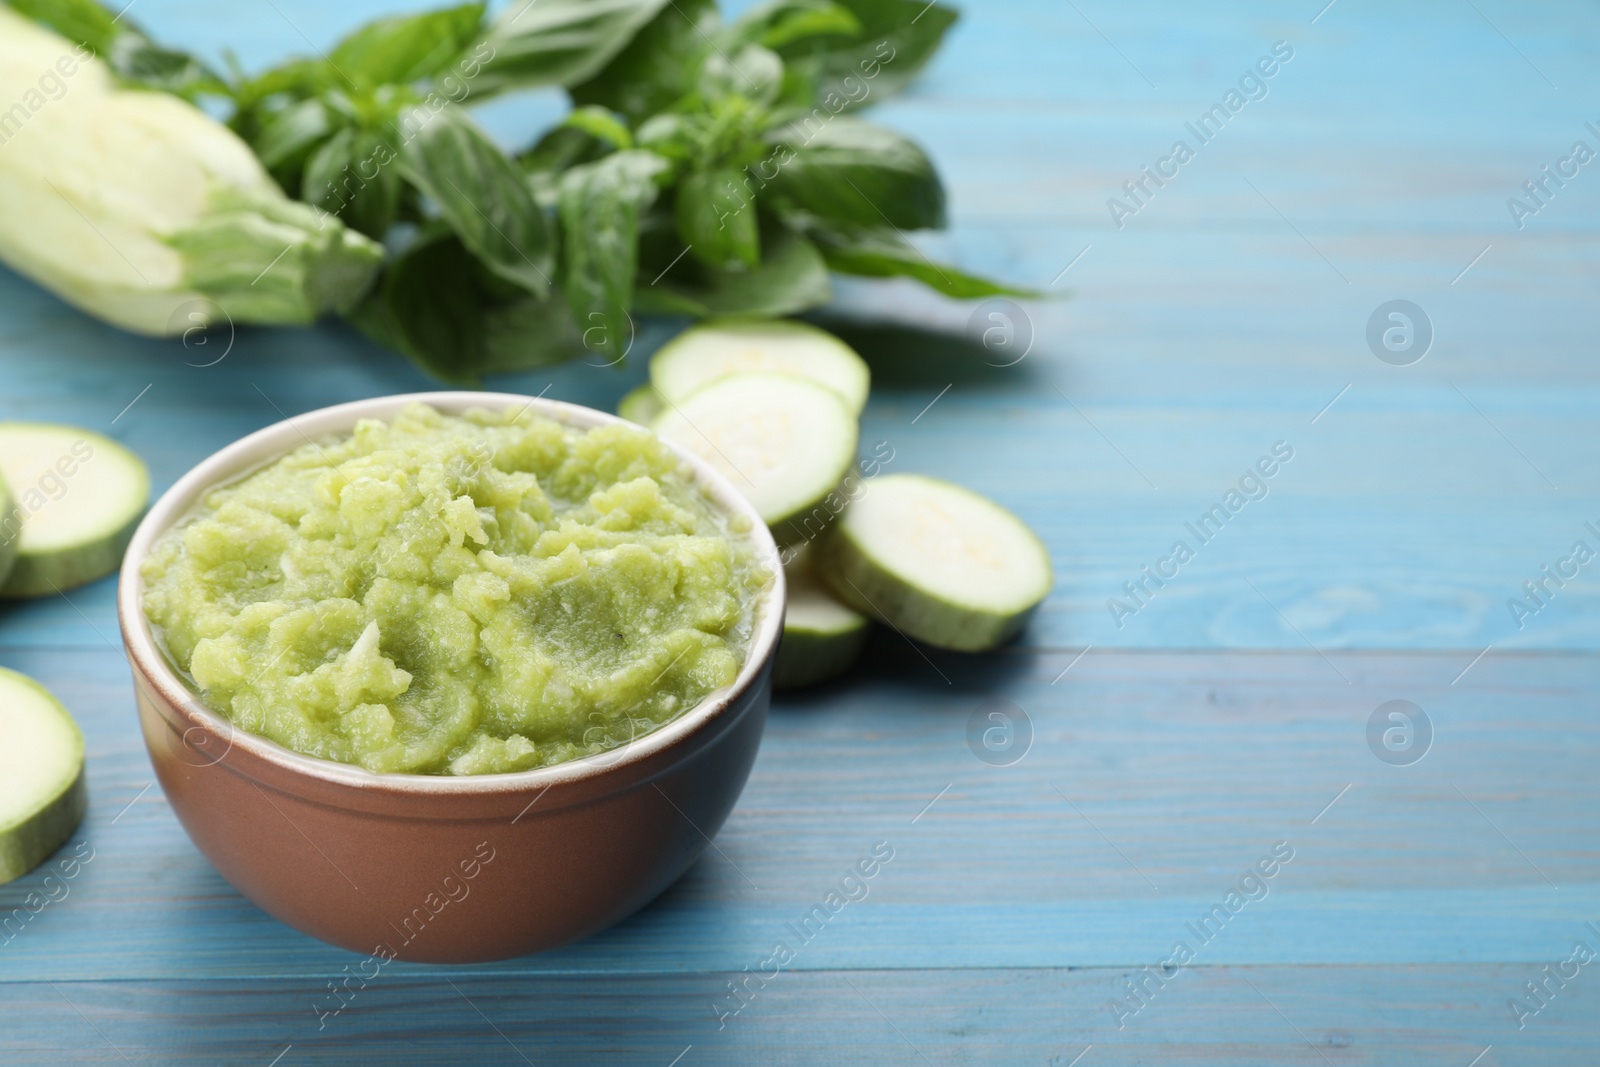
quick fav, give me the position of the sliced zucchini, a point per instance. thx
(784, 442)
(821, 637)
(641, 405)
(703, 354)
(10, 524)
(79, 496)
(42, 792)
(938, 562)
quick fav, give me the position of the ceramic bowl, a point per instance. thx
(433, 868)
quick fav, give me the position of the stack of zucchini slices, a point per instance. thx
(775, 406)
(69, 502)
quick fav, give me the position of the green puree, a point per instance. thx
(457, 595)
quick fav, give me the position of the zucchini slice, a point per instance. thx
(42, 793)
(821, 637)
(641, 405)
(784, 442)
(78, 495)
(936, 561)
(10, 523)
(703, 354)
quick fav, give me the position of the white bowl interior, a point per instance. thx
(266, 445)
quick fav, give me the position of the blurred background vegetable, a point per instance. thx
(139, 208)
(708, 168)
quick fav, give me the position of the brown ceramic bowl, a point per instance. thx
(443, 869)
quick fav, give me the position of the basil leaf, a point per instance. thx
(351, 175)
(82, 21)
(670, 136)
(319, 183)
(782, 22)
(287, 138)
(560, 42)
(377, 204)
(896, 40)
(792, 277)
(716, 216)
(428, 306)
(658, 67)
(600, 208)
(754, 72)
(559, 150)
(480, 194)
(856, 173)
(296, 79)
(405, 48)
(438, 305)
(602, 125)
(127, 50)
(883, 253)
(137, 61)
(527, 333)
(556, 153)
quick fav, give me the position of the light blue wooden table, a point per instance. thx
(1170, 753)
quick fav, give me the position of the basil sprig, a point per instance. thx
(708, 168)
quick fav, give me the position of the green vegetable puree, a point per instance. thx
(457, 595)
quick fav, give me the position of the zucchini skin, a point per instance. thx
(44, 572)
(24, 848)
(806, 657)
(877, 593)
(10, 525)
(809, 521)
(641, 405)
(55, 572)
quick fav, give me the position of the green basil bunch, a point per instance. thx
(707, 168)
(132, 56)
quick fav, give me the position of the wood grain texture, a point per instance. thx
(1015, 905)
(1414, 1017)
(1228, 314)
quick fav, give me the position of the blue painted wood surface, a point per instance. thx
(1225, 716)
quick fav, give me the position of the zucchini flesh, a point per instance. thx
(42, 794)
(78, 496)
(938, 562)
(785, 443)
(704, 354)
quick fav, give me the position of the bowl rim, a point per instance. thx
(262, 447)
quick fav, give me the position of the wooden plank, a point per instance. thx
(1404, 557)
(1152, 783)
(1406, 1017)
